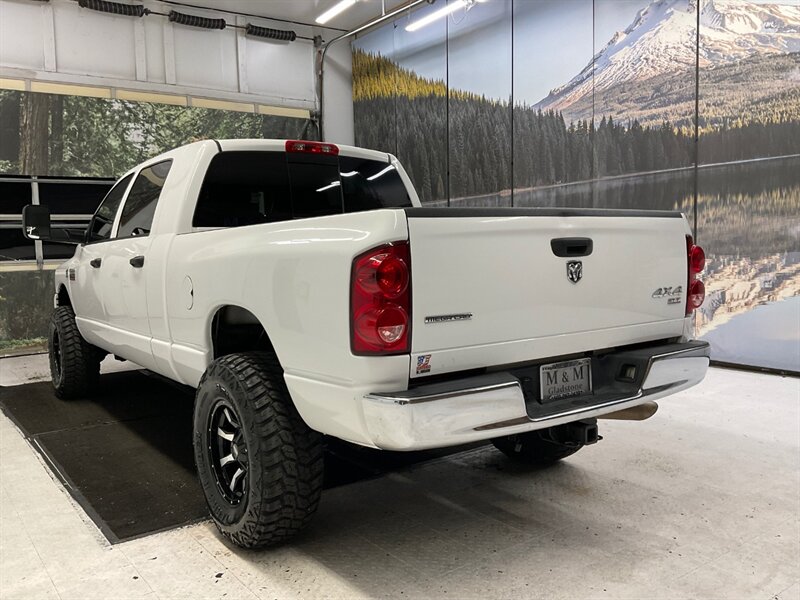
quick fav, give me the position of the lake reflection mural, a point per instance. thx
(748, 219)
(600, 99)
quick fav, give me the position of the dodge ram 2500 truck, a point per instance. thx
(303, 291)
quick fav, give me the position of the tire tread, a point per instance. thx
(289, 469)
(80, 366)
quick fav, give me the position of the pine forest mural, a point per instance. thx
(597, 103)
(48, 134)
(76, 136)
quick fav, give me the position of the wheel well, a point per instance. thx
(63, 297)
(236, 329)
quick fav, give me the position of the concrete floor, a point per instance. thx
(701, 501)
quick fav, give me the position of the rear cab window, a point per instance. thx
(250, 187)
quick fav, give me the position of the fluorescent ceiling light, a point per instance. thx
(334, 10)
(436, 15)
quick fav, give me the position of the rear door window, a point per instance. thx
(140, 206)
(250, 187)
(244, 188)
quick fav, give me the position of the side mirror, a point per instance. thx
(36, 226)
(36, 222)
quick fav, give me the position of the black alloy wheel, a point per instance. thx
(228, 453)
(55, 357)
(259, 464)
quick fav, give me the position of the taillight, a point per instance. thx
(697, 259)
(311, 147)
(695, 289)
(697, 293)
(380, 300)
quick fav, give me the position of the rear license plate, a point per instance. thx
(565, 379)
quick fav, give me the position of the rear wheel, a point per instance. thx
(74, 363)
(259, 464)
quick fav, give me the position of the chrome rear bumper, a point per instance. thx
(505, 403)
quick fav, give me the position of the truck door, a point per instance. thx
(124, 272)
(85, 289)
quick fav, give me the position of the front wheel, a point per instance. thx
(259, 464)
(74, 362)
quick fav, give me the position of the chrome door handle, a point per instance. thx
(96, 262)
(137, 262)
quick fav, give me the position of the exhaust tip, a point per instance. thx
(634, 413)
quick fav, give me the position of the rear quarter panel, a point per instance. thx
(295, 277)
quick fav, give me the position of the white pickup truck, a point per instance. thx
(302, 290)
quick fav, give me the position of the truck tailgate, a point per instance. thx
(488, 287)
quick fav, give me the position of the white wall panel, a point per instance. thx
(22, 34)
(205, 58)
(272, 70)
(93, 43)
(338, 96)
(59, 41)
(201, 61)
(154, 45)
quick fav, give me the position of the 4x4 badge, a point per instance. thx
(574, 271)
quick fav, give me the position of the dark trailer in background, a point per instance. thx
(26, 267)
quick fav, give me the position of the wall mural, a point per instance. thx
(749, 82)
(48, 134)
(69, 136)
(598, 100)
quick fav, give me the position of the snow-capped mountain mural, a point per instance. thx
(660, 47)
(501, 109)
(735, 29)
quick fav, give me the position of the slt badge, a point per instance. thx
(574, 271)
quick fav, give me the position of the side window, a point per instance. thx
(244, 188)
(103, 219)
(137, 214)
